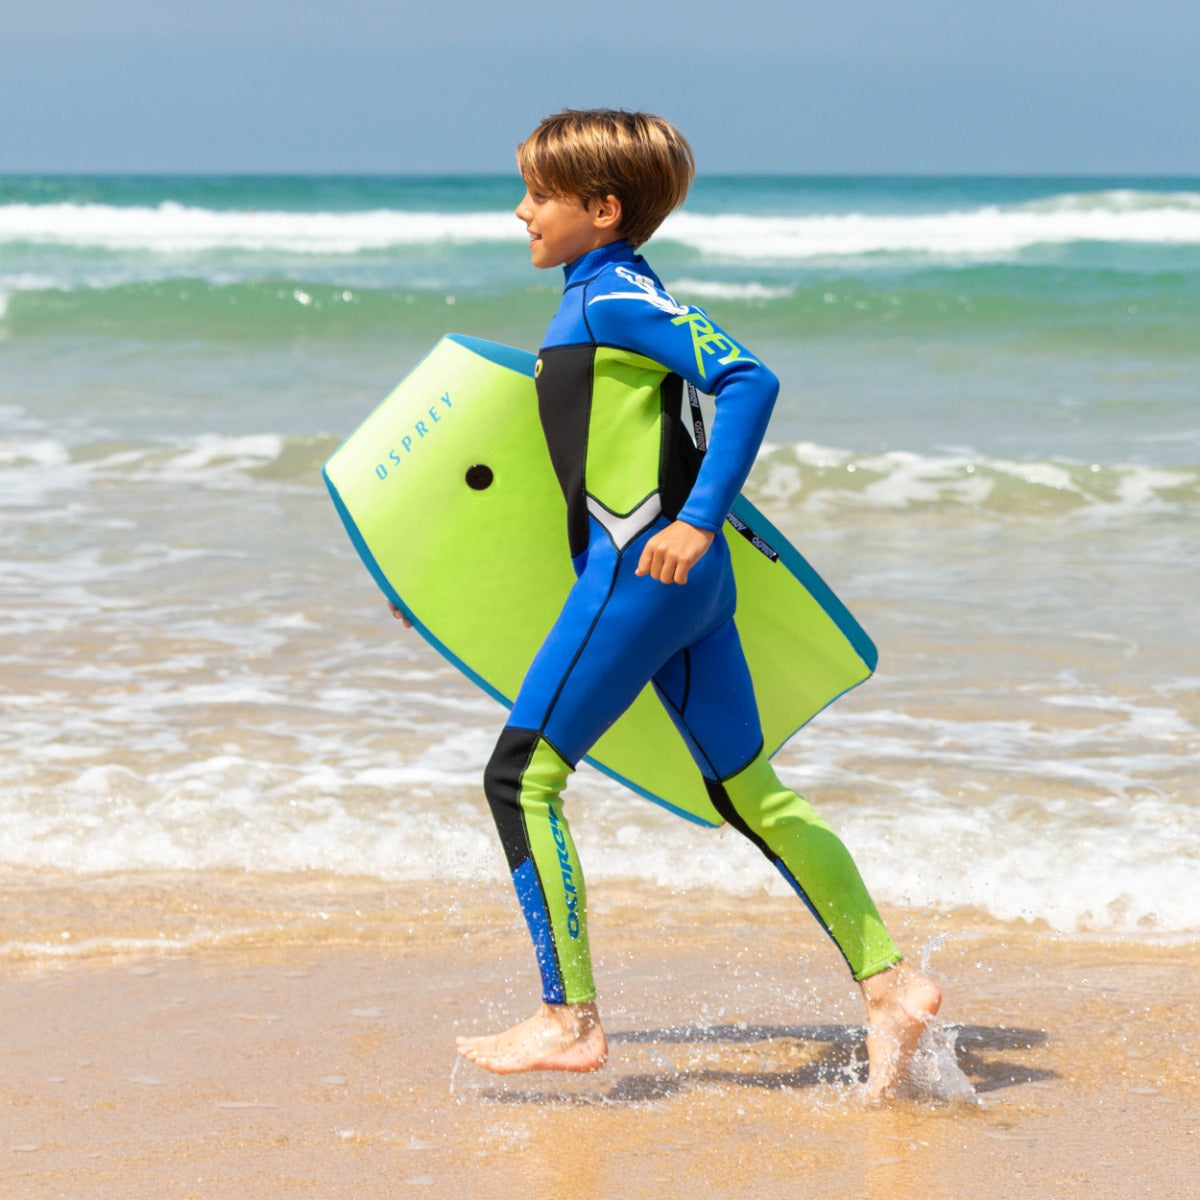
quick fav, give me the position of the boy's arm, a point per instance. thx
(646, 320)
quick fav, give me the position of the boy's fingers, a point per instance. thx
(664, 562)
(667, 568)
(652, 560)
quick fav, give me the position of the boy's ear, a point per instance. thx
(606, 213)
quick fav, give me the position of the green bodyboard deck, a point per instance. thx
(477, 559)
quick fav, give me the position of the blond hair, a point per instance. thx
(591, 153)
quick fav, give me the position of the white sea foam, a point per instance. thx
(814, 475)
(25, 281)
(708, 289)
(33, 468)
(986, 232)
(42, 452)
(803, 474)
(11, 284)
(171, 228)
(212, 454)
(822, 479)
(1073, 811)
(1130, 873)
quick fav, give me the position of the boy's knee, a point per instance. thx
(502, 775)
(524, 771)
(755, 798)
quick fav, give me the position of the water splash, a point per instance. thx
(935, 1073)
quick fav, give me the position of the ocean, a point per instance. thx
(988, 443)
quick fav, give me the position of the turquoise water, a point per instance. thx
(988, 441)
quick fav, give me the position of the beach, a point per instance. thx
(314, 1057)
(251, 889)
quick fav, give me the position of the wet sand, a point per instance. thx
(225, 1036)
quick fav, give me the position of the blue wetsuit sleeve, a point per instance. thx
(644, 319)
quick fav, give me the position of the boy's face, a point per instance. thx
(563, 228)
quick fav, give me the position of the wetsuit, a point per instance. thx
(609, 385)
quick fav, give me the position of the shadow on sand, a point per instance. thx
(987, 1056)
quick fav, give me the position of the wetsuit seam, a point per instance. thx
(540, 733)
(807, 900)
(587, 427)
(531, 858)
(556, 750)
(583, 644)
(602, 345)
(666, 700)
(662, 431)
(587, 436)
(726, 807)
(655, 491)
(583, 310)
(723, 803)
(725, 778)
(608, 533)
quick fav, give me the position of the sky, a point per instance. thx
(451, 86)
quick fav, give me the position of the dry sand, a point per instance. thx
(295, 1039)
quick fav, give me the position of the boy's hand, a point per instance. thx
(669, 556)
(399, 615)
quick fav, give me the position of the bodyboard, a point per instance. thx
(450, 499)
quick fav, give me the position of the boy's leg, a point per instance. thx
(708, 691)
(615, 630)
(523, 783)
(709, 694)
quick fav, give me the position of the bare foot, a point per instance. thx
(900, 1002)
(559, 1037)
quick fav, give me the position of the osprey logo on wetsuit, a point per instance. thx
(568, 875)
(708, 339)
(647, 290)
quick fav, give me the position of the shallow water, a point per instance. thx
(988, 443)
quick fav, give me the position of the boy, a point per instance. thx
(654, 596)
